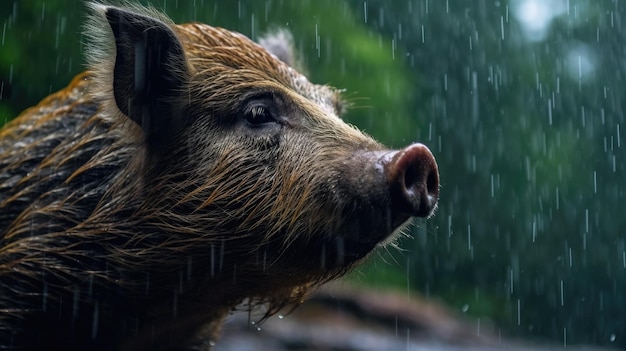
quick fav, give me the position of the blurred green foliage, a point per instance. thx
(530, 227)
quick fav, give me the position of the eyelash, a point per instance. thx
(259, 114)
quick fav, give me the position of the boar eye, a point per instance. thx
(259, 114)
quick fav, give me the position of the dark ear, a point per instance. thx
(149, 74)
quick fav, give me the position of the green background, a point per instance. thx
(528, 133)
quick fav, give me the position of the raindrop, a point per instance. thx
(252, 25)
(469, 237)
(45, 296)
(550, 111)
(317, 41)
(222, 249)
(75, 303)
(365, 11)
(396, 320)
(94, 324)
(570, 257)
(511, 280)
(519, 312)
(465, 308)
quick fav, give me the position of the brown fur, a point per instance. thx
(109, 243)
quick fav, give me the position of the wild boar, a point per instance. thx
(187, 170)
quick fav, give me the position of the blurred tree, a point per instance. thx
(527, 135)
(39, 51)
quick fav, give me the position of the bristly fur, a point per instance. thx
(110, 242)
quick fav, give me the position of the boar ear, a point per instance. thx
(280, 43)
(149, 74)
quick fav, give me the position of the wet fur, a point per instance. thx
(110, 244)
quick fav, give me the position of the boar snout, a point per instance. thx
(413, 180)
(386, 188)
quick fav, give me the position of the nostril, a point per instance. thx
(410, 178)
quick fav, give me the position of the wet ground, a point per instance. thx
(347, 319)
